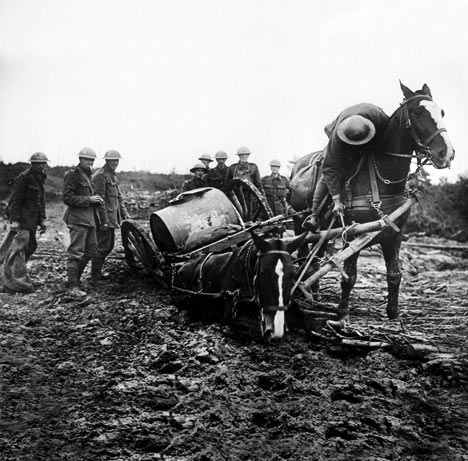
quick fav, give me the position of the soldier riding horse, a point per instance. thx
(376, 184)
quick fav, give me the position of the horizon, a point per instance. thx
(164, 82)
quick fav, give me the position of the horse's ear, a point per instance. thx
(427, 90)
(297, 242)
(406, 91)
(259, 241)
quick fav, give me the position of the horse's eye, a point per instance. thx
(443, 112)
(419, 111)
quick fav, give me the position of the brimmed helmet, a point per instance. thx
(275, 163)
(206, 157)
(38, 157)
(356, 130)
(221, 154)
(198, 166)
(243, 150)
(112, 155)
(87, 152)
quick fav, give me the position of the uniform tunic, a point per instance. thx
(27, 205)
(341, 157)
(248, 171)
(193, 183)
(107, 186)
(216, 177)
(276, 192)
(27, 202)
(111, 213)
(80, 216)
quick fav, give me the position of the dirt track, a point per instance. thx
(121, 377)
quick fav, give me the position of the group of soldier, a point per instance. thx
(95, 207)
(94, 210)
(274, 187)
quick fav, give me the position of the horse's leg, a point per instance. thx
(391, 253)
(303, 251)
(350, 269)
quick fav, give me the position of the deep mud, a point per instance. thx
(120, 376)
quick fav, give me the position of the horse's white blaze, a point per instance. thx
(279, 317)
(436, 114)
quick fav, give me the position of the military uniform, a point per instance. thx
(27, 205)
(340, 157)
(276, 192)
(216, 177)
(193, 183)
(82, 219)
(249, 171)
(111, 214)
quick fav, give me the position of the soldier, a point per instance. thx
(196, 181)
(206, 160)
(111, 214)
(277, 190)
(81, 217)
(26, 212)
(352, 135)
(249, 171)
(216, 177)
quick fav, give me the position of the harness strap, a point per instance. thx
(373, 182)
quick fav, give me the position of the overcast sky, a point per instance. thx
(164, 81)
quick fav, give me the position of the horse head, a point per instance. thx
(274, 277)
(424, 120)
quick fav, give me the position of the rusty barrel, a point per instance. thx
(191, 212)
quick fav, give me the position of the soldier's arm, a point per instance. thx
(69, 197)
(123, 208)
(17, 196)
(333, 165)
(100, 189)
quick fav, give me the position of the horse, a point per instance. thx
(256, 277)
(376, 186)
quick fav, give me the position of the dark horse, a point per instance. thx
(377, 184)
(258, 276)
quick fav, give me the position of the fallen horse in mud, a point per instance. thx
(255, 279)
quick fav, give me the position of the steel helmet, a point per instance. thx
(275, 163)
(87, 152)
(243, 150)
(198, 166)
(356, 130)
(206, 157)
(38, 157)
(221, 154)
(112, 155)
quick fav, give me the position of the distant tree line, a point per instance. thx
(443, 211)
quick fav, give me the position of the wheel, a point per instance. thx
(249, 201)
(141, 253)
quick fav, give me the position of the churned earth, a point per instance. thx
(120, 375)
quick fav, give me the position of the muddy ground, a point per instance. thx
(120, 376)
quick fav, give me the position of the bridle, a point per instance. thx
(254, 286)
(423, 153)
(422, 146)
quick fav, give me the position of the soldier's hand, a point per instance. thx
(42, 227)
(15, 225)
(290, 209)
(338, 207)
(96, 200)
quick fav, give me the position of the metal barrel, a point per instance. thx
(190, 212)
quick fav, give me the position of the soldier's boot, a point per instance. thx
(96, 269)
(73, 275)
